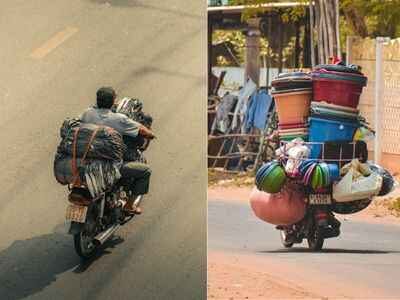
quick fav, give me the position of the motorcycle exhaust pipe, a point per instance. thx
(105, 235)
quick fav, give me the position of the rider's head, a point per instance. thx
(105, 97)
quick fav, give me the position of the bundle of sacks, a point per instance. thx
(88, 155)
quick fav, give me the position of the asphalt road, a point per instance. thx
(54, 55)
(363, 263)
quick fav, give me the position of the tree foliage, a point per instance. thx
(374, 17)
(254, 7)
(364, 18)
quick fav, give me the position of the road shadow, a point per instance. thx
(28, 266)
(144, 5)
(330, 250)
(103, 250)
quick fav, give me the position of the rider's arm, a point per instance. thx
(133, 129)
(145, 132)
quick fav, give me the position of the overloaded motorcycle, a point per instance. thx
(313, 182)
(94, 220)
(319, 222)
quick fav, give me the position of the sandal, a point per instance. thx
(133, 211)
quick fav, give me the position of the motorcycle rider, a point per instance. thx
(134, 174)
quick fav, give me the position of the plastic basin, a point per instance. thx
(273, 181)
(339, 92)
(293, 107)
(323, 130)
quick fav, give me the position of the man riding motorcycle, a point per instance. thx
(136, 175)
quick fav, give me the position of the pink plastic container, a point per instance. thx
(284, 208)
(293, 107)
(344, 93)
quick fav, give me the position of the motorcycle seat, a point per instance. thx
(80, 196)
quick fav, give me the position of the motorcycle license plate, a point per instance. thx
(76, 213)
(320, 199)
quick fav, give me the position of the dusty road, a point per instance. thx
(363, 263)
(54, 55)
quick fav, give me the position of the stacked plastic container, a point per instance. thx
(334, 114)
(293, 95)
(319, 107)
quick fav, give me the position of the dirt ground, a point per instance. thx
(229, 278)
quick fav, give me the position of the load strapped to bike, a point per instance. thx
(321, 166)
(89, 160)
(88, 156)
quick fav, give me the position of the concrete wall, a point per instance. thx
(363, 53)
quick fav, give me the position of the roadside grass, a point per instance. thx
(394, 206)
(221, 178)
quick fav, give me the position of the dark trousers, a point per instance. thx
(136, 176)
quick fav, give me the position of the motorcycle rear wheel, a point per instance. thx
(84, 245)
(315, 239)
(283, 239)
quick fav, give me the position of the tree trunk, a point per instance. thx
(297, 48)
(356, 21)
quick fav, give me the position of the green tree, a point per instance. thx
(364, 18)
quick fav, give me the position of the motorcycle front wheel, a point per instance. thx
(315, 239)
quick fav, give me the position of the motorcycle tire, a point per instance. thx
(84, 249)
(283, 240)
(315, 239)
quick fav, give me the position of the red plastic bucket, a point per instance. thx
(339, 92)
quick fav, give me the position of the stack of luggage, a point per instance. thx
(91, 156)
(88, 155)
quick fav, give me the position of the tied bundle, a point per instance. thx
(107, 144)
(88, 155)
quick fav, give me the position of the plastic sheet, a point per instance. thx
(351, 188)
(107, 144)
(284, 208)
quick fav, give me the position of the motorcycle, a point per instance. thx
(95, 220)
(318, 224)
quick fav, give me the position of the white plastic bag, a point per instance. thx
(349, 189)
(296, 154)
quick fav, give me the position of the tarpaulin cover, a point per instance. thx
(106, 145)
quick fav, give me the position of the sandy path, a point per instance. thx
(229, 277)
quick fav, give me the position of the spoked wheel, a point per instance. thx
(316, 239)
(283, 235)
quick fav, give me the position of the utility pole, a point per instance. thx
(379, 90)
(252, 68)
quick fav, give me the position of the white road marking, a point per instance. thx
(54, 42)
